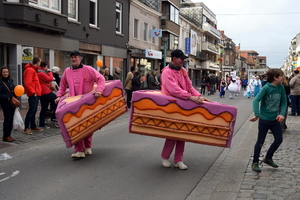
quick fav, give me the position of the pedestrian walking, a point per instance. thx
(175, 82)
(269, 107)
(295, 94)
(203, 86)
(136, 81)
(80, 79)
(128, 86)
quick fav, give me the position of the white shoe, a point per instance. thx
(180, 165)
(78, 155)
(166, 163)
(88, 151)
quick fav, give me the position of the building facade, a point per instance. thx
(144, 49)
(51, 29)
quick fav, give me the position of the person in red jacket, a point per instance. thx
(34, 91)
(46, 77)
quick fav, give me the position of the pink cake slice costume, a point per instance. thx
(156, 114)
(79, 112)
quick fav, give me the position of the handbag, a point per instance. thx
(52, 87)
(14, 101)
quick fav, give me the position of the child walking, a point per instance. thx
(222, 88)
(269, 107)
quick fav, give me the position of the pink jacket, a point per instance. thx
(177, 83)
(80, 79)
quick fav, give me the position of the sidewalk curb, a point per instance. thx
(225, 176)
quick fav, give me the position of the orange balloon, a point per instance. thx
(99, 63)
(19, 90)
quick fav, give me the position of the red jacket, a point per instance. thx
(45, 80)
(31, 81)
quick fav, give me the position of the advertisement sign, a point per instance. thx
(149, 53)
(27, 53)
(156, 33)
(187, 45)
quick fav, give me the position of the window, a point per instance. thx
(174, 14)
(136, 28)
(73, 9)
(93, 12)
(173, 42)
(118, 17)
(53, 5)
(145, 31)
(153, 38)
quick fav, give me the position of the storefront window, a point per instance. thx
(144, 66)
(112, 62)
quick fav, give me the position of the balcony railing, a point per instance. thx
(210, 65)
(212, 30)
(201, 55)
(207, 46)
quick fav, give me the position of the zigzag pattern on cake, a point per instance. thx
(82, 115)
(159, 115)
(169, 124)
(103, 116)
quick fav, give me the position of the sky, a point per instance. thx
(264, 26)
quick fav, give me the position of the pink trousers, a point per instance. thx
(168, 148)
(83, 144)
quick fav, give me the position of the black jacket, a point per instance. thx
(5, 95)
(136, 83)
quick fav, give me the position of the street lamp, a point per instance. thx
(165, 40)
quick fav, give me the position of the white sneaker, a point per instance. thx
(88, 151)
(166, 163)
(180, 165)
(78, 155)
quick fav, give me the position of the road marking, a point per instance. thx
(13, 174)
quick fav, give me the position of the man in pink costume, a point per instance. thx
(176, 83)
(80, 79)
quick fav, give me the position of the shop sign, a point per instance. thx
(27, 53)
(149, 53)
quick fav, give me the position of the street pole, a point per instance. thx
(165, 40)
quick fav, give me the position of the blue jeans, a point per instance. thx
(33, 102)
(263, 127)
(47, 99)
(295, 103)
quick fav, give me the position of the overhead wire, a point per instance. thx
(235, 14)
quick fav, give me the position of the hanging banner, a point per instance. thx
(187, 45)
(193, 43)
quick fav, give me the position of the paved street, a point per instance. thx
(230, 175)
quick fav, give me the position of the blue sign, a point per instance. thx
(156, 33)
(188, 45)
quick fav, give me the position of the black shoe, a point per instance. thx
(255, 167)
(270, 162)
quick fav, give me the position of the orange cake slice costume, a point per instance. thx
(159, 115)
(82, 115)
